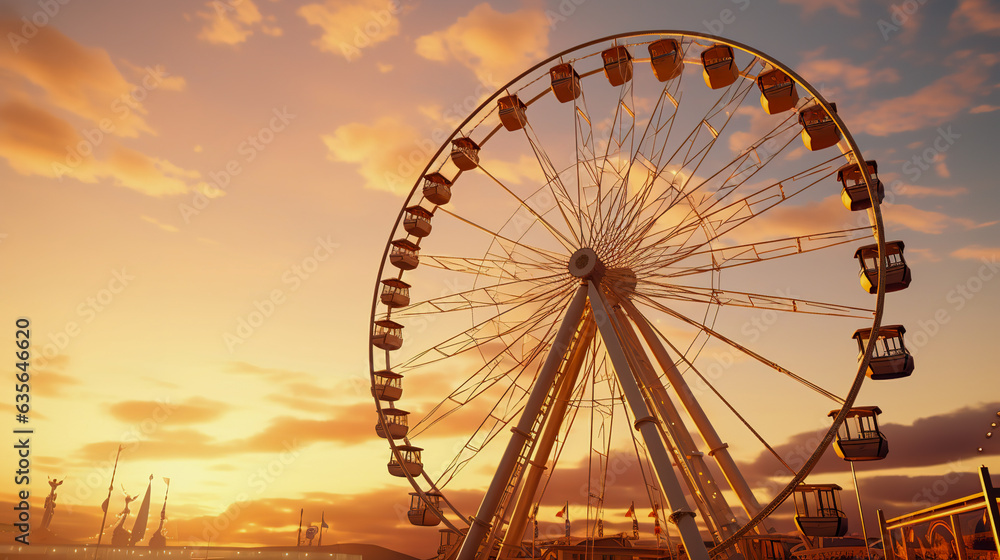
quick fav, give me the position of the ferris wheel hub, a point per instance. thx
(586, 264)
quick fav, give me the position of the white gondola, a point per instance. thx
(405, 254)
(897, 273)
(666, 59)
(395, 293)
(859, 438)
(387, 386)
(465, 153)
(395, 422)
(818, 512)
(411, 463)
(891, 359)
(437, 188)
(388, 335)
(617, 65)
(422, 514)
(819, 130)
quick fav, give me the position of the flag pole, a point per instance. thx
(322, 525)
(107, 501)
(298, 539)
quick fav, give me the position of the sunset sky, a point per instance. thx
(171, 170)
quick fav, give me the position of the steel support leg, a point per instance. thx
(520, 433)
(681, 514)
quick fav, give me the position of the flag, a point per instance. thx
(104, 506)
(562, 512)
(653, 513)
(600, 527)
(635, 528)
(631, 511)
(139, 527)
(322, 521)
(656, 527)
(534, 521)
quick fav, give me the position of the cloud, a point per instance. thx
(389, 153)
(829, 74)
(925, 221)
(48, 382)
(159, 224)
(789, 220)
(81, 80)
(36, 142)
(811, 7)
(976, 16)
(918, 191)
(275, 374)
(935, 440)
(496, 46)
(349, 27)
(154, 435)
(196, 410)
(985, 108)
(916, 254)
(931, 105)
(976, 253)
(232, 23)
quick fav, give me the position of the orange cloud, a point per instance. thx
(350, 27)
(831, 74)
(977, 16)
(50, 383)
(481, 41)
(389, 153)
(36, 142)
(195, 410)
(931, 105)
(82, 80)
(925, 221)
(976, 253)
(791, 221)
(810, 7)
(985, 108)
(918, 191)
(232, 23)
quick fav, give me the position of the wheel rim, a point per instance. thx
(598, 229)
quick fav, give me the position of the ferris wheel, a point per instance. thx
(632, 242)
